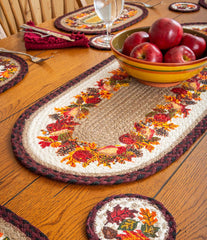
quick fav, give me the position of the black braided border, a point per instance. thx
(91, 217)
(24, 226)
(23, 71)
(28, 162)
(59, 26)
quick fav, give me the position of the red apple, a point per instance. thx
(133, 40)
(165, 33)
(195, 43)
(148, 52)
(179, 54)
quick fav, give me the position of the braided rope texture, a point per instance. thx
(22, 72)
(24, 226)
(28, 162)
(90, 227)
(58, 22)
(203, 3)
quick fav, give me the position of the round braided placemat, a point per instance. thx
(130, 216)
(14, 227)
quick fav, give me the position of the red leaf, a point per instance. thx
(118, 215)
(44, 144)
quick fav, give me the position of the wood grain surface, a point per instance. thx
(59, 209)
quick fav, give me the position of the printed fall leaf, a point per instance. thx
(148, 217)
(118, 215)
(158, 122)
(136, 235)
(128, 224)
(149, 231)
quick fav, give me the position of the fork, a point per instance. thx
(148, 5)
(33, 58)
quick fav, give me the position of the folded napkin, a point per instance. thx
(35, 41)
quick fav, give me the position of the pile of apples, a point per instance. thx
(164, 42)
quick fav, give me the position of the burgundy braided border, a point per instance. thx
(28, 162)
(203, 3)
(96, 46)
(91, 217)
(194, 23)
(24, 226)
(23, 71)
(58, 24)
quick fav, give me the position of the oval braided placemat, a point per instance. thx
(12, 70)
(81, 20)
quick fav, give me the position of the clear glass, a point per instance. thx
(108, 11)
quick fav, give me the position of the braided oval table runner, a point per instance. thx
(86, 21)
(12, 70)
(130, 216)
(14, 227)
(104, 127)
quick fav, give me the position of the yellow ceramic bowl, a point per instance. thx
(156, 74)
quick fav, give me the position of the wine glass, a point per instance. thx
(108, 11)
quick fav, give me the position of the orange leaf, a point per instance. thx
(148, 217)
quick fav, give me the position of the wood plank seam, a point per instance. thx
(194, 147)
(17, 194)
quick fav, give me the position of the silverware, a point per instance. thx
(33, 58)
(47, 32)
(40, 34)
(148, 5)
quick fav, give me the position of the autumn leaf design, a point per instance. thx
(128, 224)
(145, 135)
(7, 69)
(118, 215)
(88, 15)
(136, 235)
(149, 231)
(148, 217)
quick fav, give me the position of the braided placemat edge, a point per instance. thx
(23, 225)
(20, 75)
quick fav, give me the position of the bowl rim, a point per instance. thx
(162, 64)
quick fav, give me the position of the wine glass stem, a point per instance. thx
(108, 31)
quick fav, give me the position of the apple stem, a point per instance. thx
(186, 58)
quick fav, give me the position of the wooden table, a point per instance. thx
(59, 209)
